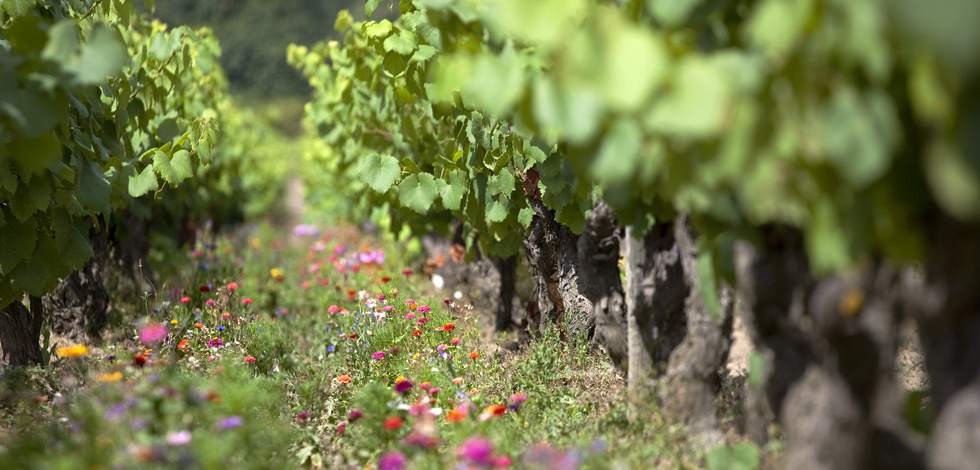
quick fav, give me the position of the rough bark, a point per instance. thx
(947, 310)
(78, 308)
(829, 349)
(655, 294)
(20, 331)
(692, 369)
(552, 253)
(598, 251)
(504, 310)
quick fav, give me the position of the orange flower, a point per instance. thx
(458, 380)
(198, 325)
(448, 327)
(182, 345)
(393, 422)
(474, 355)
(344, 379)
(456, 415)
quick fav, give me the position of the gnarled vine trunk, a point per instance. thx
(671, 333)
(552, 253)
(20, 331)
(77, 309)
(598, 251)
(829, 350)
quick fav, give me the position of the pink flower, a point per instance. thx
(423, 309)
(407, 272)
(435, 391)
(476, 450)
(246, 301)
(454, 341)
(154, 333)
(441, 347)
(409, 316)
(333, 309)
(209, 303)
(250, 360)
(184, 300)
(355, 414)
(232, 286)
(378, 355)
(403, 386)
(179, 438)
(392, 461)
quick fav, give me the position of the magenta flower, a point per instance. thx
(392, 461)
(154, 333)
(333, 309)
(435, 391)
(231, 422)
(476, 450)
(354, 414)
(410, 316)
(454, 341)
(441, 347)
(379, 355)
(215, 343)
(403, 386)
(424, 309)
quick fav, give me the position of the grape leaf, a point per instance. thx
(93, 190)
(379, 172)
(418, 192)
(143, 183)
(17, 241)
(452, 192)
(402, 43)
(103, 55)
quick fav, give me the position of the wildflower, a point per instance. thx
(435, 391)
(422, 321)
(232, 287)
(209, 303)
(231, 422)
(179, 438)
(139, 360)
(409, 301)
(409, 316)
(477, 450)
(344, 379)
(355, 414)
(198, 325)
(301, 417)
(447, 301)
(441, 347)
(378, 355)
(454, 341)
(492, 410)
(352, 336)
(113, 377)
(407, 272)
(516, 400)
(153, 333)
(393, 422)
(385, 279)
(457, 415)
(73, 351)
(474, 355)
(392, 461)
(204, 288)
(276, 274)
(333, 309)
(439, 329)
(246, 301)
(173, 322)
(185, 299)
(425, 386)
(110, 357)
(387, 308)
(182, 345)
(421, 440)
(341, 427)
(215, 343)
(458, 380)
(395, 350)
(226, 316)
(403, 386)
(449, 327)
(424, 309)
(250, 360)
(221, 328)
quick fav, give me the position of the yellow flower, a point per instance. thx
(255, 242)
(73, 351)
(275, 272)
(113, 377)
(400, 379)
(173, 322)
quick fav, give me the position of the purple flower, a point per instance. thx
(477, 450)
(115, 412)
(378, 355)
(354, 414)
(215, 343)
(231, 422)
(392, 461)
(154, 333)
(403, 386)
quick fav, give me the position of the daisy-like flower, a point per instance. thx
(392, 461)
(474, 355)
(182, 345)
(449, 327)
(403, 386)
(333, 309)
(458, 380)
(434, 391)
(246, 301)
(393, 422)
(77, 350)
(441, 347)
(250, 360)
(454, 341)
(409, 316)
(424, 309)
(343, 379)
(378, 355)
(184, 300)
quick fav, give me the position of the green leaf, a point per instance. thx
(502, 183)
(618, 157)
(497, 210)
(78, 250)
(672, 13)
(370, 6)
(17, 8)
(173, 171)
(143, 183)
(953, 182)
(424, 53)
(525, 216)
(756, 363)
(63, 43)
(8, 180)
(17, 241)
(102, 56)
(741, 456)
(418, 192)
(379, 172)
(452, 193)
(378, 30)
(635, 64)
(93, 190)
(708, 285)
(825, 239)
(402, 43)
(181, 164)
(696, 105)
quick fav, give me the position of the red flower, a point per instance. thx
(352, 336)
(448, 327)
(204, 289)
(385, 279)
(417, 333)
(246, 301)
(250, 360)
(182, 345)
(139, 360)
(393, 422)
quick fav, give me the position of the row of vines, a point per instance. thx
(816, 160)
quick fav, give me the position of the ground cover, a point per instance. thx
(327, 350)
